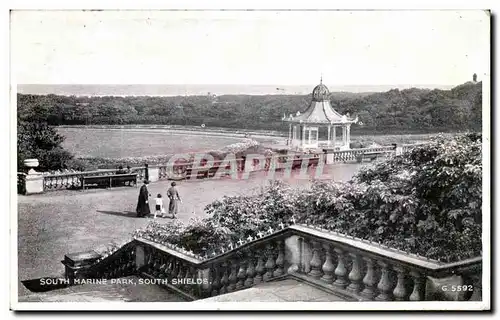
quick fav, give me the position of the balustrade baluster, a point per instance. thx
(170, 269)
(225, 278)
(315, 263)
(131, 262)
(175, 269)
(280, 260)
(232, 277)
(340, 271)
(251, 272)
(187, 275)
(369, 280)
(260, 269)
(418, 282)
(384, 285)
(270, 264)
(399, 292)
(149, 263)
(195, 288)
(476, 282)
(155, 266)
(242, 274)
(355, 274)
(328, 266)
(214, 277)
(163, 271)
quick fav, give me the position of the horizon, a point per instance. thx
(174, 90)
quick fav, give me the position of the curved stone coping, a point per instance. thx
(385, 251)
(371, 249)
(174, 250)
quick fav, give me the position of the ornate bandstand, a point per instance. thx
(318, 125)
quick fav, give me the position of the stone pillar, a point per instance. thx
(34, 180)
(34, 183)
(140, 256)
(154, 174)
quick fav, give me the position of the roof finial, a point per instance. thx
(321, 79)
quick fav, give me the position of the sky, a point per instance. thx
(249, 47)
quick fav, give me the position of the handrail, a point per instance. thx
(371, 248)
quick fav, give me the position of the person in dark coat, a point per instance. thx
(143, 203)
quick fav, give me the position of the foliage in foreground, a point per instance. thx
(427, 201)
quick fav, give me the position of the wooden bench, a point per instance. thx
(109, 181)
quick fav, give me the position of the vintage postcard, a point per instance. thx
(250, 159)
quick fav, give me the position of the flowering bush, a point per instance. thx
(426, 201)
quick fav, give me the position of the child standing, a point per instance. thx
(159, 206)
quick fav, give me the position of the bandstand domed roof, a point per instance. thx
(319, 110)
(320, 92)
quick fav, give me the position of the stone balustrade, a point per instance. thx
(351, 268)
(351, 155)
(74, 180)
(116, 264)
(191, 170)
(361, 270)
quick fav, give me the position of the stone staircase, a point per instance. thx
(294, 263)
(129, 290)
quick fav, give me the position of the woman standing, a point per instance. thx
(143, 203)
(173, 195)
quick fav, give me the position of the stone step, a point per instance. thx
(287, 290)
(128, 290)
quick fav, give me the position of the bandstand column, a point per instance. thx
(329, 128)
(343, 135)
(303, 135)
(348, 135)
(334, 136)
(289, 141)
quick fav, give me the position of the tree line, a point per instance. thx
(394, 111)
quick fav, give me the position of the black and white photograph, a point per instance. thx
(250, 159)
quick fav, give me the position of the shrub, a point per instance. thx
(41, 141)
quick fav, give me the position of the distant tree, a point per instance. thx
(409, 110)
